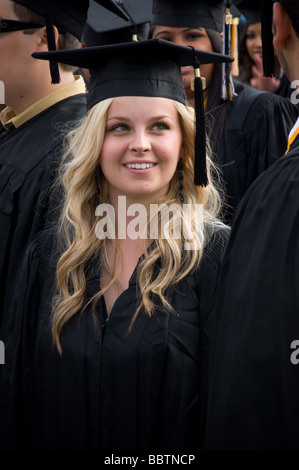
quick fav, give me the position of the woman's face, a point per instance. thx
(195, 37)
(254, 41)
(141, 148)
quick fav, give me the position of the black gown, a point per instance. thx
(29, 156)
(254, 377)
(255, 136)
(109, 390)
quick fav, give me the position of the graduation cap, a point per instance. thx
(191, 13)
(250, 9)
(146, 68)
(68, 15)
(208, 14)
(103, 27)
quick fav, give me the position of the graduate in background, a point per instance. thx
(41, 102)
(103, 27)
(254, 375)
(109, 338)
(250, 53)
(248, 128)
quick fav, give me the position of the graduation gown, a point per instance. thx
(109, 390)
(255, 136)
(254, 378)
(29, 156)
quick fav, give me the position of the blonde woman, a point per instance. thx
(109, 349)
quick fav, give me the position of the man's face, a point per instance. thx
(16, 48)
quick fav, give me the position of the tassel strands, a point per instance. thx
(200, 166)
(228, 91)
(267, 37)
(54, 69)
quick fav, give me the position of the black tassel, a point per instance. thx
(200, 165)
(228, 90)
(267, 38)
(54, 69)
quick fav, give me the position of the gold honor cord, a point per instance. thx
(234, 48)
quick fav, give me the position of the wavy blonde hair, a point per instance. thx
(81, 177)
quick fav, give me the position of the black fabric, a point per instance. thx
(103, 27)
(92, 38)
(195, 13)
(100, 21)
(251, 9)
(29, 157)
(254, 385)
(109, 390)
(255, 136)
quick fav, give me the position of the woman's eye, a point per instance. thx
(250, 36)
(160, 126)
(118, 128)
(193, 36)
(166, 38)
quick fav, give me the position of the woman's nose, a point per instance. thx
(258, 41)
(140, 142)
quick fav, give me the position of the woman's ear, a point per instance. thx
(282, 26)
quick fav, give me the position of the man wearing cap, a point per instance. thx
(41, 100)
(254, 381)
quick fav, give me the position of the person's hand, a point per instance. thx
(260, 82)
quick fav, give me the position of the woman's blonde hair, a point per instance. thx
(81, 177)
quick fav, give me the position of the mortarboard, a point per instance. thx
(145, 68)
(250, 9)
(68, 15)
(192, 13)
(103, 27)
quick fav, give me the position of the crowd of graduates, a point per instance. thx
(137, 344)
